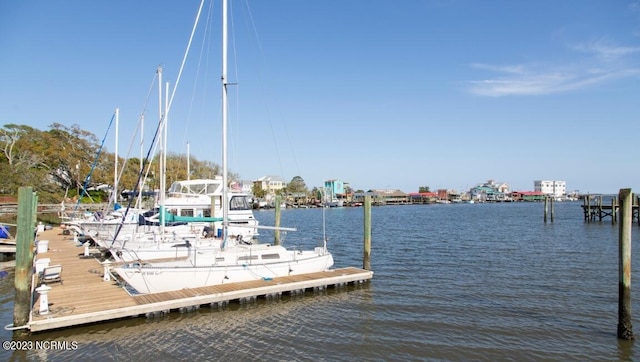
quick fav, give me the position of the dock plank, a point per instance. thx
(84, 297)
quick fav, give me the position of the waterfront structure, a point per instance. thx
(423, 197)
(383, 197)
(556, 189)
(334, 194)
(270, 184)
(491, 191)
(527, 196)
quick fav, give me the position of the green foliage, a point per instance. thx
(258, 191)
(56, 164)
(297, 185)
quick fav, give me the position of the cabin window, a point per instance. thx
(187, 212)
(239, 203)
(270, 256)
(219, 259)
(248, 257)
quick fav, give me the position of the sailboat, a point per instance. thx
(232, 260)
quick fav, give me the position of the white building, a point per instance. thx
(553, 188)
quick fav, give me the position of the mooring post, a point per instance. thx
(366, 258)
(637, 211)
(614, 213)
(588, 208)
(546, 207)
(600, 208)
(552, 211)
(24, 256)
(276, 232)
(625, 330)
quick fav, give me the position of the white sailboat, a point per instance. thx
(230, 261)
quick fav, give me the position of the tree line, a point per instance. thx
(64, 162)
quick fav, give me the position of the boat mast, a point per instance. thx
(225, 201)
(161, 159)
(188, 162)
(115, 168)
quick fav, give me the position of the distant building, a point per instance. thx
(491, 191)
(552, 188)
(335, 188)
(527, 196)
(383, 197)
(270, 184)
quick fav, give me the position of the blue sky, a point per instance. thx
(380, 94)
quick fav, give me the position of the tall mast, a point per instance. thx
(188, 162)
(161, 159)
(225, 201)
(115, 168)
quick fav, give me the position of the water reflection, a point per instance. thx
(451, 282)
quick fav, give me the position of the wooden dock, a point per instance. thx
(594, 209)
(84, 297)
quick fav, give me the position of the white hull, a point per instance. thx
(240, 264)
(151, 247)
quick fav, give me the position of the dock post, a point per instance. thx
(24, 256)
(552, 210)
(614, 214)
(600, 214)
(546, 207)
(625, 329)
(366, 258)
(588, 200)
(276, 232)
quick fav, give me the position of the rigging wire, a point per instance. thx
(254, 31)
(93, 166)
(161, 123)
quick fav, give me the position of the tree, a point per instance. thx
(258, 191)
(59, 162)
(423, 189)
(297, 185)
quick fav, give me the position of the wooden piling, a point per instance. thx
(552, 210)
(638, 209)
(546, 207)
(276, 232)
(366, 258)
(625, 330)
(614, 212)
(24, 256)
(600, 215)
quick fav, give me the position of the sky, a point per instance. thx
(379, 94)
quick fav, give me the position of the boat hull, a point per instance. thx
(157, 278)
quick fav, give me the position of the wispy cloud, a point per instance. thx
(606, 50)
(604, 62)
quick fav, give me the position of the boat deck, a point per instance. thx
(85, 297)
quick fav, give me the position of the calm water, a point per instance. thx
(452, 282)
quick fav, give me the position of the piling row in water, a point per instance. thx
(594, 209)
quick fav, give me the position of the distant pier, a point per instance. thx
(595, 209)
